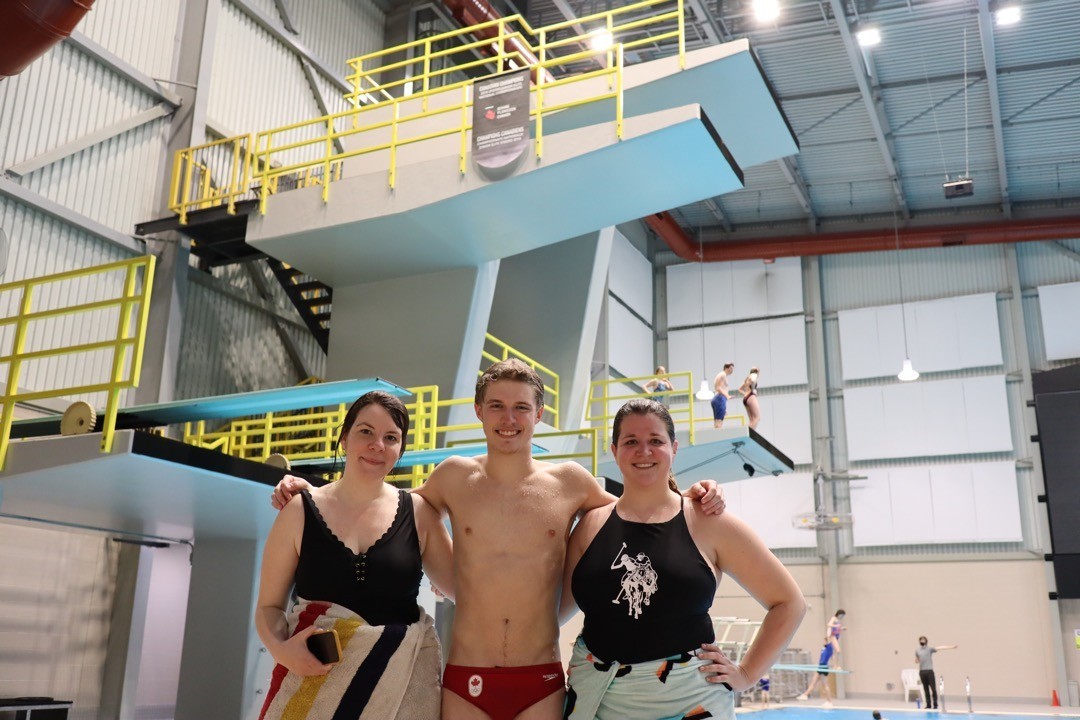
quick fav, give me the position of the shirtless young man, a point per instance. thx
(723, 394)
(511, 517)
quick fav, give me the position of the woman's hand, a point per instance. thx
(295, 656)
(725, 671)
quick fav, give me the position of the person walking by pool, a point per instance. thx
(822, 675)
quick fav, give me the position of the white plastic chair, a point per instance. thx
(909, 678)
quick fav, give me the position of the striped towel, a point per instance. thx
(387, 672)
(669, 689)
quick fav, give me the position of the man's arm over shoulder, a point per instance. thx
(438, 487)
(580, 483)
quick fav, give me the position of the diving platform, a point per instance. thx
(720, 455)
(686, 135)
(221, 407)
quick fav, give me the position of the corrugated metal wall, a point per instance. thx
(232, 339)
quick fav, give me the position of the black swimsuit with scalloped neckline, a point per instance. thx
(380, 585)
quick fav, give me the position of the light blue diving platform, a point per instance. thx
(720, 455)
(726, 80)
(439, 219)
(223, 407)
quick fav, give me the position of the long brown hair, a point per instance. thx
(645, 406)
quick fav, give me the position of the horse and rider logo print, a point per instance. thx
(638, 583)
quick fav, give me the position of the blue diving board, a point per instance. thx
(411, 458)
(222, 407)
(811, 668)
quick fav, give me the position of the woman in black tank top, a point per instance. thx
(644, 570)
(354, 550)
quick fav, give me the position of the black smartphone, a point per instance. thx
(325, 646)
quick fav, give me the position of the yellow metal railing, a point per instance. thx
(502, 351)
(255, 164)
(131, 310)
(313, 434)
(607, 396)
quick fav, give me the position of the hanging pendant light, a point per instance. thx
(907, 371)
(703, 393)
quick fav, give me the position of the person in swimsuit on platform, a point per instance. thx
(638, 653)
(723, 394)
(835, 627)
(353, 549)
(510, 516)
(748, 390)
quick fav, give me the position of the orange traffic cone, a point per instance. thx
(1054, 702)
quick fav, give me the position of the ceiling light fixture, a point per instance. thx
(907, 372)
(703, 392)
(868, 36)
(1007, 13)
(766, 10)
(601, 40)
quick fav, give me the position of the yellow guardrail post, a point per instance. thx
(540, 95)
(11, 389)
(464, 128)
(393, 144)
(619, 93)
(682, 36)
(427, 74)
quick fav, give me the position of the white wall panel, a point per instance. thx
(785, 422)
(871, 509)
(630, 277)
(630, 342)
(733, 291)
(777, 347)
(945, 417)
(1061, 332)
(948, 334)
(969, 503)
(997, 504)
(912, 507)
(768, 504)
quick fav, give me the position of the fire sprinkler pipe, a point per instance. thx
(474, 12)
(911, 238)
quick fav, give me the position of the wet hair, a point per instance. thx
(511, 369)
(660, 370)
(645, 406)
(839, 612)
(877, 715)
(729, 365)
(386, 401)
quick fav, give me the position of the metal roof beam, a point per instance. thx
(986, 34)
(718, 213)
(122, 68)
(90, 139)
(871, 97)
(1067, 252)
(707, 20)
(790, 168)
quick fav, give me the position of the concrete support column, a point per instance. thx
(821, 427)
(548, 304)
(437, 322)
(219, 675)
